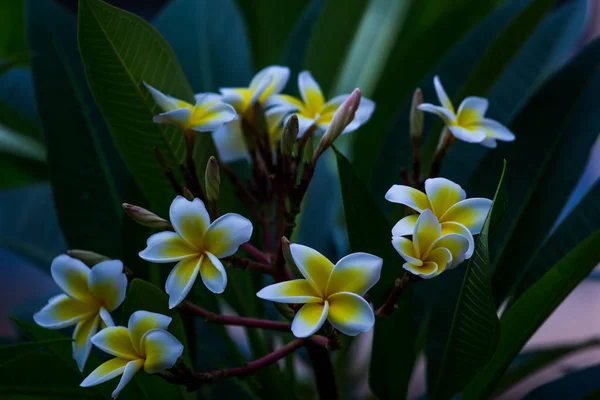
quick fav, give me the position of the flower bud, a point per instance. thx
(212, 179)
(416, 115)
(285, 311)
(89, 258)
(287, 253)
(187, 193)
(289, 136)
(145, 217)
(307, 156)
(341, 118)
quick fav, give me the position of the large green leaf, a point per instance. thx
(85, 192)
(120, 51)
(10, 352)
(521, 320)
(579, 384)
(211, 56)
(475, 329)
(546, 161)
(269, 23)
(12, 29)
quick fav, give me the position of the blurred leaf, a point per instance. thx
(475, 328)
(521, 320)
(543, 150)
(14, 62)
(533, 361)
(493, 63)
(120, 51)
(576, 226)
(579, 384)
(269, 24)
(429, 32)
(20, 171)
(215, 38)
(13, 119)
(12, 28)
(368, 229)
(12, 351)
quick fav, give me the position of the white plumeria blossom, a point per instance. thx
(143, 344)
(207, 114)
(89, 297)
(468, 123)
(328, 292)
(229, 138)
(448, 203)
(314, 110)
(430, 252)
(197, 245)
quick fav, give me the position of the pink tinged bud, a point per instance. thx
(89, 258)
(145, 217)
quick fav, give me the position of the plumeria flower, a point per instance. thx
(448, 202)
(207, 114)
(430, 252)
(468, 123)
(314, 110)
(144, 344)
(197, 245)
(89, 297)
(229, 139)
(332, 292)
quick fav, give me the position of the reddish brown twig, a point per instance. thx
(255, 253)
(164, 164)
(394, 295)
(244, 263)
(440, 153)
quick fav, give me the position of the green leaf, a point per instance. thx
(579, 384)
(207, 47)
(21, 171)
(494, 62)
(560, 113)
(574, 228)
(475, 328)
(12, 28)
(531, 362)
(120, 51)
(521, 320)
(85, 193)
(11, 351)
(269, 23)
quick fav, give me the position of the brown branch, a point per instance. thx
(255, 253)
(244, 263)
(164, 164)
(394, 295)
(193, 181)
(416, 162)
(440, 153)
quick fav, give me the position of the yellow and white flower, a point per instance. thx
(89, 297)
(448, 203)
(207, 114)
(430, 252)
(144, 344)
(229, 139)
(468, 123)
(197, 244)
(332, 292)
(313, 109)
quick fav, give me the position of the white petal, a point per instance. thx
(205, 99)
(166, 247)
(496, 130)
(130, 369)
(213, 273)
(427, 230)
(236, 97)
(407, 250)
(472, 109)
(284, 100)
(470, 213)
(315, 267)
(350, 314)
(230, 142)
(454, 227)
(441, 94)
(408, 196)
(225, 235)
(458, 245)
(142, 322)
(442, 257)
(474, 136)
(309, 319)
(276, 76)
(446, 115)
(180, 116)
(167, 103)
(63, 311)
(72, 275)
(162, 350)
(443, 194)
(213, 118)
(106, 318)
(82, 339)
(190, 219)
(181, 279)
(116, 342)
(355, 273)
(105, 372)
(426, 271)
(108, 283)
(297, 291)
(489, 142)
(275, 116)
(310, 91)
(406, 226)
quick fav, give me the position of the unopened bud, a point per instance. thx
(289, 136)
(145, 217)
(89, 258)
(285, 311)
(340, 120)
(416, 115)
(307, 156)
(287, 252)
(212, 179)
(187, 193)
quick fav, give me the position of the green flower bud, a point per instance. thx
(212, 179)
